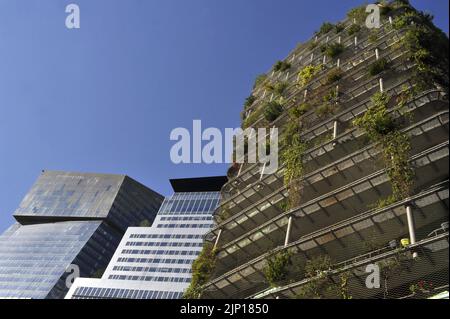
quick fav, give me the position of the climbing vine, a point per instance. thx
(292, 155)
(425, 45)
(394, 144)
(320, 282)
(202, 269)
(276, 269)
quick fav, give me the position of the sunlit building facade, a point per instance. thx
(155, 262)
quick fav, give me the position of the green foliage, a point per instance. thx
(281, 66)
(383, 202)
(249, 101)
(252, 118)
(313, 45)
(334, 75)
(395, 146)
(378, 66)
(334, 50)
(272, 111)
(202, 269)
(325, 28)
(324, 110)
(353, 29)
(276, 269)
(145, 223)
(307, 74)
(426, 46)
(260, 79)
(373, 37)
(339, 27)
(358, 14)
(385, 8)
(283, 205)
(316, 271)
(280, 87)
(297, 111)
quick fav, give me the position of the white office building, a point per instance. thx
(155, 262)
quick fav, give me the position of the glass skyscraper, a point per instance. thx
(69, 220)
(155, 262)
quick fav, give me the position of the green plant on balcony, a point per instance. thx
(339, 27)
(426, 46)
(394, 267)
(280, 88)
(373, 37)
(281, 66)
(378, 66)
(385, 8)
(334, 50)
(260, 79)
(421, 287)
(325, 28)
(202, 269)
(358, 15)
(353, 29)
(276, 269)
(334, 75)
(307, 74)
(297, 111)
(316, 271)
(283, 205)
(252, 118)
(394, 144)
(249, 101)
(383, 202)
(272, 110)
(313, 45)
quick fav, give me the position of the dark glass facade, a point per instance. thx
(69, 219)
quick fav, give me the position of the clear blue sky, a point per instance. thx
(105, 98)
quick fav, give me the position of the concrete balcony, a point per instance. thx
(431, 206)
(363, 162)
(330, 208)
(318, 159)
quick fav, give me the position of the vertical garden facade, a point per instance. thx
(362, 186)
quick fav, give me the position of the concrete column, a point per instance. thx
(390, 20)
(335, 129)
(216, 243)
(338, 63)
(381, 85)
(356, 42)
(288, 231)
(312, 57)
(377, 54)
(324, 59)
(339, 39)
(411, 227)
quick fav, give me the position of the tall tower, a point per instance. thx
(361, 196)
(156, 262)
(69, 222)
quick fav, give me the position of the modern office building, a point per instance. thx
(363, 184)
(155, 262)
(69, 222)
